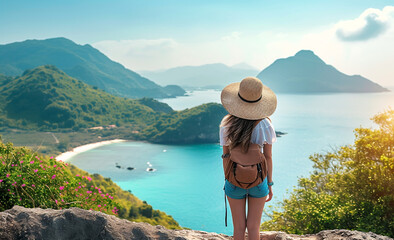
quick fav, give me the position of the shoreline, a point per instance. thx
(83, 148)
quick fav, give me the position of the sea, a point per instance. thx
(186, 181)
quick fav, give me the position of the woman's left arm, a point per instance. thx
(268, 156)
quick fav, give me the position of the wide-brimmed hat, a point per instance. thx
(249, 99)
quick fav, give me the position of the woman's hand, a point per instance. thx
(270, 194)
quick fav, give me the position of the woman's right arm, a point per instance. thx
(268, 157)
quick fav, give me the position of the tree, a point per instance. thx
(352, 187)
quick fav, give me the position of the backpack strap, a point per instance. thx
(225, 206)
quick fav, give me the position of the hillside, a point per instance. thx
(194, 125)
(214, 76)
(307, 73)
(82, 62)
(47, 99)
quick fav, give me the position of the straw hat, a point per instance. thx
(249, 99)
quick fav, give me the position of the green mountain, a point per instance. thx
(214, 76)
(82, 62)
(307, 73)
(45, 98)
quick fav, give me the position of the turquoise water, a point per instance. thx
(188, 182)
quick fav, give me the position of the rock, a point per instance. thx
(75, 223)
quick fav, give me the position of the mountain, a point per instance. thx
(46, 98)
(82, 62)
(307, 73)
(215, 75)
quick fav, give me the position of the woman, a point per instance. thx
(249, 103)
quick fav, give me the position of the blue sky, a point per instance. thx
(90, 21)
(154, 34)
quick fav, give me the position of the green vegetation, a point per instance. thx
(30, 180)
(189, 126)
(351, 188)
(46, 98)
(81, 62)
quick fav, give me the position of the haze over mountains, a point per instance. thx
(82, 62)
(303, 73)
(210, 76)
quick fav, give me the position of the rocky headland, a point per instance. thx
(75, 223)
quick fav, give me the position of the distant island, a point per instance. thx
(208, 76)
(82, 62)
(307, 73)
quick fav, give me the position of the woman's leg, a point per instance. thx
(238, 207)
(255, 210)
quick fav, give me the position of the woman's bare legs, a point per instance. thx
(255, 210)
(238, 212)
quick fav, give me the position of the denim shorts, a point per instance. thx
(258, 191)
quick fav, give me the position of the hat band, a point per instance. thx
(243, 99)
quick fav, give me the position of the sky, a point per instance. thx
(356, 37)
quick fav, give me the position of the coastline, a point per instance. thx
(83, 148)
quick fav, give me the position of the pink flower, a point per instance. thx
(23, 185)
(53, 177)
(8, 175)
(54, 166)
(31, 162)
(33, 185)
(1, 180)
(61, 188)
(35, 170)
(99, 205)
(51, 157)
(21, 161)
(77, 175)
(56, 201)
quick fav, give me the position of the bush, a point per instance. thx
(29, 180)
(351, 188)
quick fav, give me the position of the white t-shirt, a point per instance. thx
(263, 133)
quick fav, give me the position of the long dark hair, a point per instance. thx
(239, 131)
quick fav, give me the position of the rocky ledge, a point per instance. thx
(76, 223)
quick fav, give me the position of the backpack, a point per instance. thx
(245, 170)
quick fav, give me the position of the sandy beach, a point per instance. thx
(67, 155)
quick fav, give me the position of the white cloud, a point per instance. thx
(232, 36)
(137, 54)
(370, 24)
